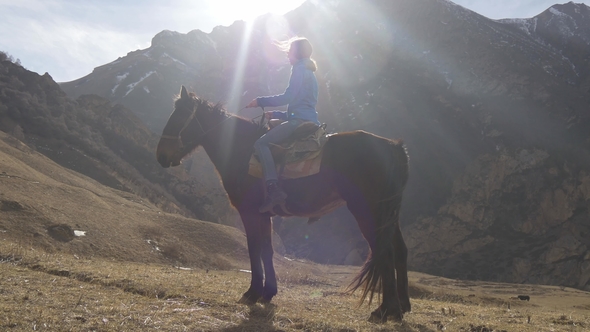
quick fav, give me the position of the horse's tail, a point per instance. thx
(378, 271)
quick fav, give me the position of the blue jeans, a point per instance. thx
(273, 136)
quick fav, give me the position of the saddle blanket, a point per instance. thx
(290, 171)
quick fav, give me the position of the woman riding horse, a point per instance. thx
(302, 96)
(362, 171)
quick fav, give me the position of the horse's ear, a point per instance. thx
(183, 92)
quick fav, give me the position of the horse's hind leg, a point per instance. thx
(390, 307)
(401, 267)
(381, 263)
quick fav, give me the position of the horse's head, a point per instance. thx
(195, 122)
(176, 142)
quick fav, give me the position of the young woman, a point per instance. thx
(301, 95)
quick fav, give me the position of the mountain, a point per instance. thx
(566, 30)
(146, 80)
(107, 143)
(493, 113)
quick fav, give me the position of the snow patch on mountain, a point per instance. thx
(133, 85)
(553, 29)
(166, 55)
(119, 79)
(529, 26)
(562, 22)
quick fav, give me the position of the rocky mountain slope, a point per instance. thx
(105, 142)
(493, 112)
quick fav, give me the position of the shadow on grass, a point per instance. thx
(398, 327)
(417, 327)
(260, 319)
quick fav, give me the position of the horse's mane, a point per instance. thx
(214, 108)
(216, 113)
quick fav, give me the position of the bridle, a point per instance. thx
(193, 116)
(186, 123)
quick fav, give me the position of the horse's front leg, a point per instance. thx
(270, 280)
(253, 235)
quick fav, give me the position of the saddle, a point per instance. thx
(298, 156)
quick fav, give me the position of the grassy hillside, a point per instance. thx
(61, 292)
(137, 268)
(36, 195)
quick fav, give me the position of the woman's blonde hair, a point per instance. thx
(302, 49)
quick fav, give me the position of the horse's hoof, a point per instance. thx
(267, 297)
(397, 317)
(268, 294)
(406, 308)
(247, 300)
(379, 317)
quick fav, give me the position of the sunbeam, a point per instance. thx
(240, 68)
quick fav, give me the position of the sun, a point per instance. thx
(229, 11)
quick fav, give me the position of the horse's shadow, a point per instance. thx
(260, 318)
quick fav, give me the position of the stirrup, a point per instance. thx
(274, 198)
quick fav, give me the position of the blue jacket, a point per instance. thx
(301, 95)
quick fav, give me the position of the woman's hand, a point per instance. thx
(253, 103)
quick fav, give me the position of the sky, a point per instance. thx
(69, 38)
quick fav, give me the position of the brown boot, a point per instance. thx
(275, 196)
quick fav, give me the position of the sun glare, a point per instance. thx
(276, 27)
(232, 10)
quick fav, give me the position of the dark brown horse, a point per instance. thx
(365, 172)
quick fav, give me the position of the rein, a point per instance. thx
(188, 121)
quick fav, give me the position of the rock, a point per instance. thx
(510, 218)
(11, 205)
(584, 282)
(567, 246)
(62, 232)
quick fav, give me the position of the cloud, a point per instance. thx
(69, 38)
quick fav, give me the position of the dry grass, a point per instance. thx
(55, 292)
